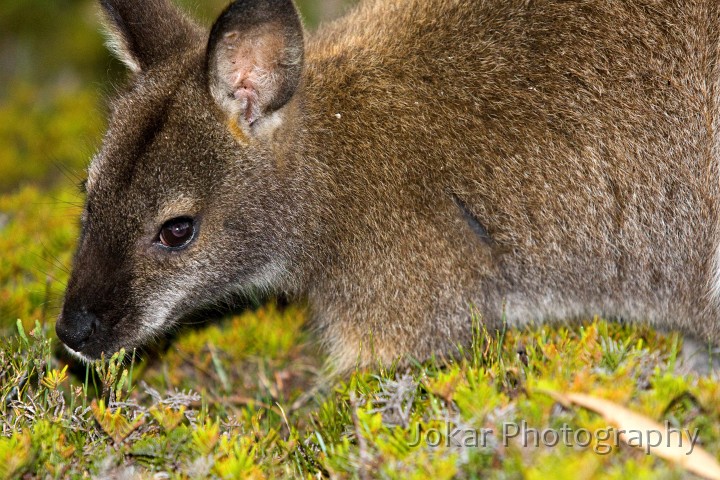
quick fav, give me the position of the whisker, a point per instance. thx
(54, 259)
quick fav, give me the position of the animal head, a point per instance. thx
(187, 199)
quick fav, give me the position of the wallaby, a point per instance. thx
(403, 166)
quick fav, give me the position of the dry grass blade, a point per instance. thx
(695, 460)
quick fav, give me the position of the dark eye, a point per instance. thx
(177, 232)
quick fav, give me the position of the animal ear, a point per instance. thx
(254, 58)
(145, 32)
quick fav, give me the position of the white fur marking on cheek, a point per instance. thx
(157, 313)
(268, 278)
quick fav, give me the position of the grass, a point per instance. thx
(247, 397)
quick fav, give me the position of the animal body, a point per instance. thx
(404, 165)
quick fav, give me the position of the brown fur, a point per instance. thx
(560, 158)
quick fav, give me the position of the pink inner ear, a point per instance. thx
(248, 68)
(236, 65)
(246, 94)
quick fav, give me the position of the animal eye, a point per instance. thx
(177, 232)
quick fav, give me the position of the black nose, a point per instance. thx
(74, 328)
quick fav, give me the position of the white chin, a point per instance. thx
(78, 355)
